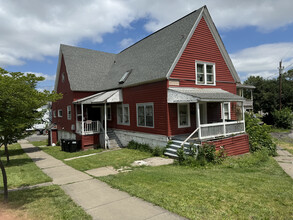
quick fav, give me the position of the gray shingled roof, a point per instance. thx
(86, 67)
(150, 59)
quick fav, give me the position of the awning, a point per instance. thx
(102, 97)
(187, 95)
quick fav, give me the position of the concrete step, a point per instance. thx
(170, 154)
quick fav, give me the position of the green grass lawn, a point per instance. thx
(39, 203)
(61, 155)
(43, 203)
(242, 188)
(117, 159)
(21, 171)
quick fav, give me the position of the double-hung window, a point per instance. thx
(226, 111)
(205, 73)
(123, 114)
(54, 113)
(59, 113)
(145, 114)
(69, 112)
(183, 115)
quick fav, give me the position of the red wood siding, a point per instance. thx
(203, 47)
(88, 141)
(68, 97)
(155, 93)
(173, 120)
(234, 145)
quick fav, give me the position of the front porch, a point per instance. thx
(205, 114)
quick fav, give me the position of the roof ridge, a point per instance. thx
(82, 48)
(162, 28)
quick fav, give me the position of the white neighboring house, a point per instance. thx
(44, 121)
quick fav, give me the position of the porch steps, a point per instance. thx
(114, 142)
(171, 151)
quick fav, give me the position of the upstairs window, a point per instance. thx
(54, 113)
(205, 73)
(145, 115)
(123, 114)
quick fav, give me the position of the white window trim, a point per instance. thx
(229, 110)
(60, 115)
(144, 105)
(205, 73)
(123, 105)
(69, 110)
(54, 113)
(188, 115)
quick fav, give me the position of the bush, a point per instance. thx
(283, 118)
(157, 151)
(259, 136)
(201, 155)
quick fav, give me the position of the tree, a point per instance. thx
(19, 101)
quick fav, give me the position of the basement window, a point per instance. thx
(124, 77)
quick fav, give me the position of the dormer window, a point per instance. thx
(124, 77)
(205, 73)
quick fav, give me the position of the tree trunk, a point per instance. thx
(4, 181)
(6, 153)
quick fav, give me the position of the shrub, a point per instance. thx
(283, 118)
(259, 136)
(157, 151)
(201, 155)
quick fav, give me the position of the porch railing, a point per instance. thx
(220, 129)
(89, 127)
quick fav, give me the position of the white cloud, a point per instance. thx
(46, 76)
(263, 60)
(33, 29)
(126, 42)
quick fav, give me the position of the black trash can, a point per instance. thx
(67, 145)
(63, 143)
(73, 146)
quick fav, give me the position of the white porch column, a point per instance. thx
(76, 122)
(198, 120)
(82, 124)
(105, 121)
(223, 115)
(243, 115)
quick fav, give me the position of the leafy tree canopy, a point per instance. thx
(19, 101)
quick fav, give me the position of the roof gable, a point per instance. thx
(85, 67)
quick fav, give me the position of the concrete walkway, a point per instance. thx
(285, 160)
(97, 198)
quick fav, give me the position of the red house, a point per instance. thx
(175, 83)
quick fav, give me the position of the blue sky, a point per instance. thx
(257, 34)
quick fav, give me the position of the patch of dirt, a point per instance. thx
(7, 213)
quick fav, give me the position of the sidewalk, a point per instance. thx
(285, 160)
(96, 197)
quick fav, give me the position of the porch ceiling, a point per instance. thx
(102, 97)
(187, 94)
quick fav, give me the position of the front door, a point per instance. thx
(94, 113)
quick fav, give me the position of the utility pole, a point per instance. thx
(281, 68)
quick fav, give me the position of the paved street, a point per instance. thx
(96, 197)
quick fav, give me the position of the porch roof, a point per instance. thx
(187, 94)
(102, 97)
